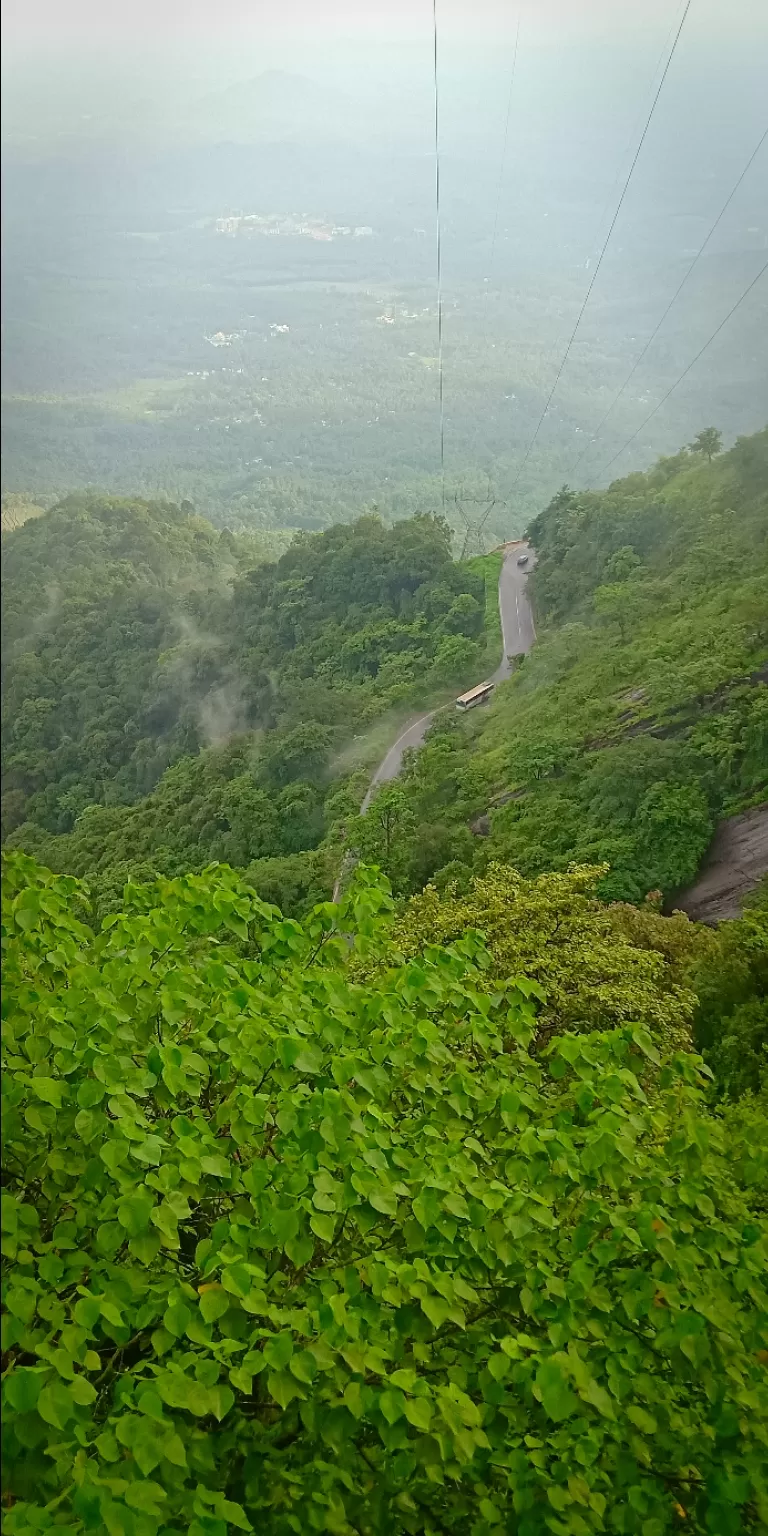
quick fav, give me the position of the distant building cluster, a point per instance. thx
(272, 224)
(224, 338)
(389, 317)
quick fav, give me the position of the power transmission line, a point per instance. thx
(439, 260)
(476, 530)
(672, 301)
(503, 154)
(605, 246)
(635, 128)
(686, 370)
(483, 520)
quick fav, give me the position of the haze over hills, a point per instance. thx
(115, 275)
(275, 106)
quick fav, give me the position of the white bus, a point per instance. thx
(475, 696)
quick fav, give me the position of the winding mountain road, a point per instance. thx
(517, 633)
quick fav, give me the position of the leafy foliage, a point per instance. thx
(285, 1250)
(554, 930)
(709, 442)
(731, 981)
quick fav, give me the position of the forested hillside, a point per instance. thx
(169, 701)
(95, 594)
(172, 697)
(641, 715)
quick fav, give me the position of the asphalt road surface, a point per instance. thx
(518, 634)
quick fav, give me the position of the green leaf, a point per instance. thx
(236, 1279)
(87, 1311)
(234, 1514)
(309, 1060)
(283, 1388)
(323, 1226)
(278, 1350)
(90, 1093)
(392, 1404)
(173, 1450)
(22, 1303)
(214, 1302)
(641, 1419)
(145, 1496)
(499, 1366)
(303, 1365)
(134, 1212)
(418, 1411)
(197, 1399)
(50, 1089)
(146, 1448)
(149, 1151)
(221, 1399)
(174, 1389)
(150, 1403)
(241, 1379)
(559, 1497)
(145, 1248)
(177, 1319)
(219, 1167)
(384, 1200)
(55, 1404)
(229, 1326)
(599, 1398)
(82, 1391)
(107, 1446)
(557, 1399)
(436, 1308)
(300, 1250)
(22, 1388)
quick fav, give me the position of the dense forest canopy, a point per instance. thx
(149, 659)
(641, 715)
(170, 698)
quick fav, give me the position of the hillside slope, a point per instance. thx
(168, 700)
(640, 718)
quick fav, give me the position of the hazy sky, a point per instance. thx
(172, 50)
(288, 25)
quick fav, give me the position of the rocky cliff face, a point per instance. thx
(736, 862)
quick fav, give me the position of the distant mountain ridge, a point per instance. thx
(274, 106)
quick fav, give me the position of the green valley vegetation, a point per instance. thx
(641, 715)
(363, 1224)
(172, 697)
